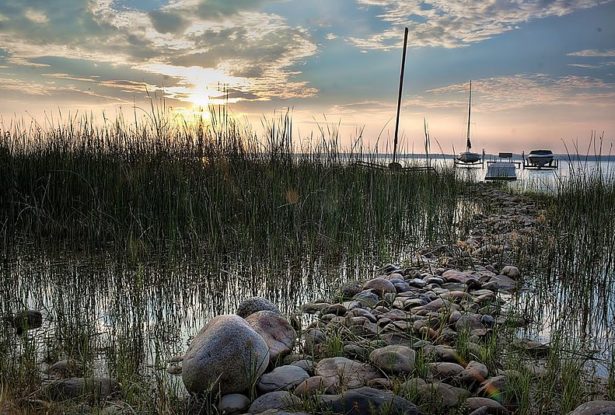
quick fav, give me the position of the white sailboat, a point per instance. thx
(468, 157)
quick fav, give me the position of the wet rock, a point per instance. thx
(234, 403)
(474, 373)
(226, 352)
(488, 406)
(501, 282)
(282, 378)
(67, 368)
(595, 408)
(316, 385)
(305, 364)
(277, 332)
(440, 395)
(394, 359)
(511, 272)
(470, 323)
(313, 308)
(92, 388)
(453, 275)
(354, 351)
(274, 400)
(380, 286)
(380, 383)
(337, 309)
(346, 372)
(367, 299)
(445, 370)
(361, 312)
(313, 337)
(350, 289)
(366, 401)
(531, 347)
(254, 304)
(25, 320)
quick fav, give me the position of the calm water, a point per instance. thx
(99, 308)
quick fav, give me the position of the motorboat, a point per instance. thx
(540, 158)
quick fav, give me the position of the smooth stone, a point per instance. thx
(367, 298)
(490, 406)
(226, 352)
(253, 304)
(346, 372)
(445, 370)
(380, 383)
(394, 359)
(337, 309)
(65, 369)
(487, 320)
(305, 364)
(367, 400)
(380, 286)
(441, 394)
(313, 337)
(275, 400)
(350, 289)
(595, 408)
(282, 378)
(502, 282)
(277, 332)
(354, 351)
(511, 272)
(471, 323)
(234, 403)
(453, 275)
(474, 373)
(361, 312)
(316, 385)
(95, 388)
(313, 308)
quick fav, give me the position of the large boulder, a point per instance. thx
(253, 304)
(228, 354)
(277, 332)
(274, 400)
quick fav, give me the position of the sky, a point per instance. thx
(542, 71)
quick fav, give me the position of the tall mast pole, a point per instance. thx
(401, 87)
(468, 143)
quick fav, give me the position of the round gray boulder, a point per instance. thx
(226, 353)
(253, 304)
(277, 332)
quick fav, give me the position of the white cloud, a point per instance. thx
(258, 53)
(36, 16)
(594, 53)
(455, 23)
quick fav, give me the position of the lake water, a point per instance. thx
(103, 309)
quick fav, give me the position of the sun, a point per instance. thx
(199, 99)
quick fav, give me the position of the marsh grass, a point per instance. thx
(215, 186)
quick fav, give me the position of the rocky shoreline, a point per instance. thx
(422, 339)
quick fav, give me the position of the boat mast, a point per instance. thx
(401, 86)
(468, 143)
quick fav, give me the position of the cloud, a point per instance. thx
(166, 22)
(457, 23)
(259, 53)
(525, 91)
(594, 53)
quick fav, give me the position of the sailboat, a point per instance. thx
(469, 157)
